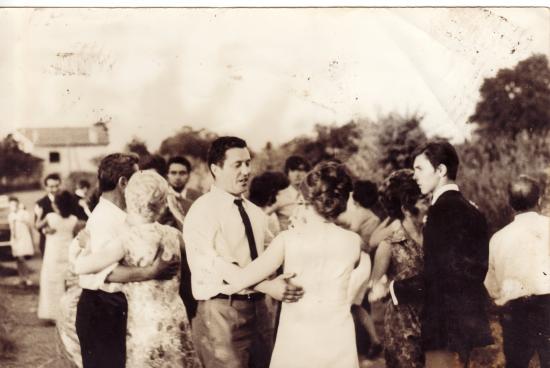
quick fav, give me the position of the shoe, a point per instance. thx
(374, 351)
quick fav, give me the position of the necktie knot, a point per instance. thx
(238, 202)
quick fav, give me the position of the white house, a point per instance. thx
(65, 149)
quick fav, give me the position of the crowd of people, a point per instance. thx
(280, 269)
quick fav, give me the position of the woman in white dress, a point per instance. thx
(20, 238)
(318, 330)
(55, 264)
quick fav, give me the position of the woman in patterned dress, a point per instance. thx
(400, 256)
(158, 330)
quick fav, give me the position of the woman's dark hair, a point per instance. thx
(327, 189)
(365, 193)
(113, 167)
(400, 190)
(216, 153)
(265, 187)
(64, 202)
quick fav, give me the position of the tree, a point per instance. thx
(188, 142)
(138, 147)
(516, 100)
(16, 166)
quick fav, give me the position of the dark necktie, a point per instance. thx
(247, 229)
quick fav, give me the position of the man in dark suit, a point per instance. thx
(43, 206)
(179, 201)
(454, 320)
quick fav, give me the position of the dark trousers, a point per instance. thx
(526, 330)
(101, 328)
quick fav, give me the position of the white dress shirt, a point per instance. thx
(519, 259)
(445, 188)
(104, 225)
(213, 230)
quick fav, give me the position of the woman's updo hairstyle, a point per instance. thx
(400, 190)
(327, 188)
(146, 194)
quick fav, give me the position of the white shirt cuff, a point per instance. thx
(392, 293)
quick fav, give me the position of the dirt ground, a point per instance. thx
(36, 342)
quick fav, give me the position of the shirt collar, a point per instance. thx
(51, 197)
(111, 206)
(445, 188)
(182, 194)
(525, 216)
(224, 195)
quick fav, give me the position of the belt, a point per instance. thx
(252, 297)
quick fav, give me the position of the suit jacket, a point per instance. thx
(180, 205)
(456, 251)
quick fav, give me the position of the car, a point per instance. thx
(5, 249)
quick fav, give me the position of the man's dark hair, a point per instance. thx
(265, 187)
(179, 160)
(113, 167)
(523, 193)
(365, 193)
(297, 163)
(218, 148)
(84, 184)
(441, 152)
(153, 162)
(53, 176)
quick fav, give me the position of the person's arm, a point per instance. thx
(38, 212)
(11, 222)
(258, 270)
(41, 223)
(97, 261)
(359, 277)
(382, 259)
(382, 231)
(490, 282)
(199, 235)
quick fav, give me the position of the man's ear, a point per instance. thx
(441, 170)
(214, 169)
(122, 182)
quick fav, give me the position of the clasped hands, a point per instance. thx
(379, 289)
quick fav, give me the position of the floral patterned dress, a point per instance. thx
(158, 330)
(402, 322)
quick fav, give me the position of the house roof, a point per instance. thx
(67, 136)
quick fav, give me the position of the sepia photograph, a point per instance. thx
(252, 186)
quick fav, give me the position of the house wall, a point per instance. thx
(70, 158)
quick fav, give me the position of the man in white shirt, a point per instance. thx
(101, 311)
(230, 331)
(518, 278)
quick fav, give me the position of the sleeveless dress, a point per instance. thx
(158, 330)
(318, 330)
(55, 265)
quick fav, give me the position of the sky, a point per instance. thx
(261, 74)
